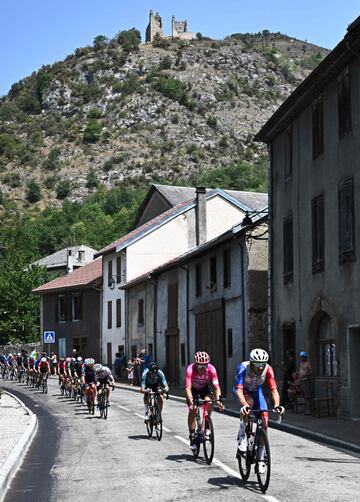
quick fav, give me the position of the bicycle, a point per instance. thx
(154, 419)
(103, 401)
(44, 383)
(256, 436)
(204, 433)
(90, 398)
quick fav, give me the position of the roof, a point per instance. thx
(59, 258)
(82, 277)
(230, 195)
(236, 230)
(308, 90)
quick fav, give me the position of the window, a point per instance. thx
(81, 344)
(288, 249)
(213, 273)
(318, 239)
(288, 154)
(118, 269)
(182, 354)
(230, 342)
(346, 217)
(317, 127)
(110, 273)
(61, 308)
(109, 315)
(327, 366)
(344, 103)
(118, 312)
(227, 268)
(198, 280)
(141, 311)
(76, 306)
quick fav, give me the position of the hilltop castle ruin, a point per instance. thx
(179, 29)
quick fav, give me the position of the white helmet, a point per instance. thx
(90, 360)
(259, 356)
(79, 359)
(10, 355)
(43, 359)
(98, 367)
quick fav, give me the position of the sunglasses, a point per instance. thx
(201, 366)
(258, 366)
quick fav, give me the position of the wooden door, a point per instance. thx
(172, 359)
(210, 336)
(109, 355)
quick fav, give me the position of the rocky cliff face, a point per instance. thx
(110, 113)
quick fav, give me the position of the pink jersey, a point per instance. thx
(199, 381)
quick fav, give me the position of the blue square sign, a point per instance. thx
(49, 336)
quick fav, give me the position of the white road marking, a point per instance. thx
(230, 471)
(138, 415)
(123, 408)
(166, 429)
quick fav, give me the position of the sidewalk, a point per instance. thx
(329, 430)
(17, 426)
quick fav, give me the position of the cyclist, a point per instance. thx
(43, 368)
(250, 377)
(89, 377)
(201, 381)
(153, 378)
(103, 375)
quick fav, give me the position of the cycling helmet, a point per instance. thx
(19, 353)
(62, 358)
(10, 355)
(43, 359)
(68, 359)
(90, 361)
(202, 358)
(98, 367)
(153, 367)
(259, 356)
(79, 359)
(304, 354)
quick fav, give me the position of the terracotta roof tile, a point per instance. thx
(83, 276)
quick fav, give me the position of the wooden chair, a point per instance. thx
(328, 400)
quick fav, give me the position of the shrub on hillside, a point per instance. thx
(129, 39)
(172, 89)
(92, 131)
(51, 163)
(91, 179)
(161, 43)
(33, 192)
(63, 189)
(11, 146)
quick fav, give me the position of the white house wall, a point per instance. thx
(221, 215)
(115, 335)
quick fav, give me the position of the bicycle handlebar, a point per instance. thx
(280, 417)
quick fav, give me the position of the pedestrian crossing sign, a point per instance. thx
(49, 336)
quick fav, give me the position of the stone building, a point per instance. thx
(155, 27)
(314, 201)
(179, 29)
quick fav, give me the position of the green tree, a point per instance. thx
(92, 131)
(100, 42)
(63, 189)
(91, 179)
(129, 39)
(33, 192)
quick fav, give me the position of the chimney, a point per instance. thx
(200, 215)
(69, 262)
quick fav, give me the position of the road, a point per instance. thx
(78, 456)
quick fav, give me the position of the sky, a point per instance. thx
(34, 33)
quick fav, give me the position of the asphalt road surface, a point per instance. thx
(75, 456)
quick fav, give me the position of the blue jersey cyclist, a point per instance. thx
(153, 379)
(250, 377)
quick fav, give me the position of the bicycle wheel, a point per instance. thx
(208, 440)
(263, 477)
(244, 460)
(106, 407)
(158, 423)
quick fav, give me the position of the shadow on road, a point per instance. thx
(180, 458)
(138, 437)
(226, 482)
(330, 460)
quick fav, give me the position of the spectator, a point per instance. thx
(305, 373)
(145, 360)
(53, 363)
(130, 371)
(119, 365)
(137, 370)
(288, 368)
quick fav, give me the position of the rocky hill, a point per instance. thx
(120, 111)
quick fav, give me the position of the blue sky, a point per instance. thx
(38, 32)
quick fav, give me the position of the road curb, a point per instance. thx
(13, 461)
(291, 429)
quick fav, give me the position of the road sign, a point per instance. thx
(49, 336)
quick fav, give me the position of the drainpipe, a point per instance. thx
(200, 212)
